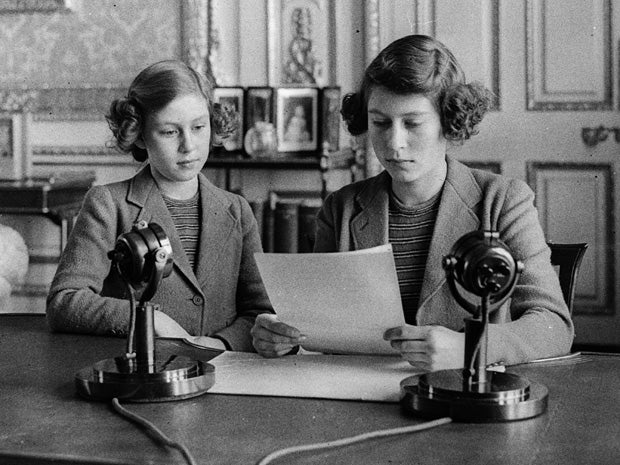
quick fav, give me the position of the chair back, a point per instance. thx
(568, 258)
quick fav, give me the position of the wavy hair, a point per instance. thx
(419, 64)
(154, 88)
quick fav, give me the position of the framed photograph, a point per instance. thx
(233, 99)
(258, 106)
(330, 118)
(297, 119)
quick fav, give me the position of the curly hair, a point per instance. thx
(154, 88)
(419, 64)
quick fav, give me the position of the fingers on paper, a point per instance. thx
(406, 332)
(271, 323)
(271, 350)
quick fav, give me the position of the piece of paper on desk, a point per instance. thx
(349, 377)
(343, 302)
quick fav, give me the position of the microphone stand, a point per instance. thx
(143, 257)
(484, 266)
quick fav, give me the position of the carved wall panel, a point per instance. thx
(575, 204)
(300, 42)
(569, 62)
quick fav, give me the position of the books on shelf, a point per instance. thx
(287, 220)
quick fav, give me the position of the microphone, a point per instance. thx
(481, 267)
(143, 257)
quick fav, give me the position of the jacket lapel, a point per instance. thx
(144, 193)
(217, 224)
(369, 226)
(456, 216)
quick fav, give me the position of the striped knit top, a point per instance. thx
(186, 217)
(410, 233)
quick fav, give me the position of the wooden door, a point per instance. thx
(553, 65)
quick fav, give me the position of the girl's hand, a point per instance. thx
(272, 338)
(429, 348)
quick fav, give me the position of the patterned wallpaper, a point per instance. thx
(101, 43)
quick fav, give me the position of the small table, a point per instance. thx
(58, 198)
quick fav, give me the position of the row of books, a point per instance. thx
(287, 221)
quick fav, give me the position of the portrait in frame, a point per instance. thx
(232, 98)
(330, 118)
(258, 106)
(297, 119)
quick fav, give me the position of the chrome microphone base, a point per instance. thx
(505, 397)
(175, 378)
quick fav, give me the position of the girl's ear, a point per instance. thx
(140, 143)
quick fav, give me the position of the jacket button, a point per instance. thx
(198, 300)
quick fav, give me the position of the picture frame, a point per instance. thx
(297, 119)
(259, 106)
(330, 118)
(233, 98)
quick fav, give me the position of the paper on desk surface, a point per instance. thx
(343, 301)
(348, 377)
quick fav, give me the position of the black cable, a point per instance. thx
(151, 428)
(352, 440)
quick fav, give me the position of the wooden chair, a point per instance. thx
(568, 258)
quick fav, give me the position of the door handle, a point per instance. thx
(592, 136)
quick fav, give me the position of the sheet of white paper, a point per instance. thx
(343, 302)
(349, 377)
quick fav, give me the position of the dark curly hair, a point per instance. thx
(418, 64)
(154, 88)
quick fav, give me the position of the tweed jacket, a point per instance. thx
(534, 323)
(222, 297)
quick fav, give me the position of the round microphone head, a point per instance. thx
(137, 252)
(483, 265)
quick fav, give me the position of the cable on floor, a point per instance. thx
(151, 428)
(351, 440)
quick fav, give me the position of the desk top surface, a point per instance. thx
(42, 415)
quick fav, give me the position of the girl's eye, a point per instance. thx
(199, 127)
(381, 123)
(411, 124)
(168, 132)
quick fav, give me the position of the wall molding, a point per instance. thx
(91, 155)
(34, 6)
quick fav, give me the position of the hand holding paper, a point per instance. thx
(341, 302)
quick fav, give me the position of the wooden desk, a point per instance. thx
(57, 198)
(41, 414)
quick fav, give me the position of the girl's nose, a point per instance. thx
(397, 137)
(187, 141)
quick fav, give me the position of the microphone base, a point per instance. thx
(446, 393)
(174, 379)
